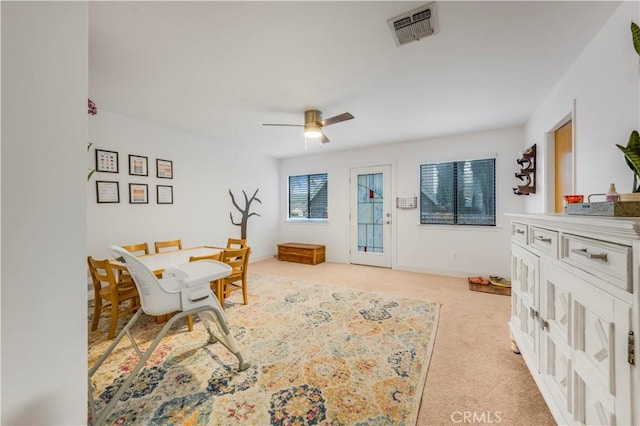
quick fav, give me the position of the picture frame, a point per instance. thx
(138, 193)
(164, 169)
(138, 165)
(106, 161)
(107, 191)
(164, 194)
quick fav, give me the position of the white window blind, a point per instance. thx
(458, 193)
(308, 196)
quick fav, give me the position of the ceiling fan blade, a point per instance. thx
(337, 119)
(324, 139)
(277, 124)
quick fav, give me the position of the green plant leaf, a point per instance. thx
(91, 172)
(633, 145)
(635, 33)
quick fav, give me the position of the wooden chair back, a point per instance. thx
(109, 293)
(137, 249)
(176, 244)
(215, 256)
(236, 243)
(238, 259)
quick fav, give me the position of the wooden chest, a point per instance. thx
(310, 254)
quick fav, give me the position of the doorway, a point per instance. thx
(370, 217)
(563, 161)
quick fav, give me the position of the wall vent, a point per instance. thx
(415, 24)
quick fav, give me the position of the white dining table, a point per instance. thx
(158, 262)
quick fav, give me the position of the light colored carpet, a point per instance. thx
(472, 371)
(319, 355)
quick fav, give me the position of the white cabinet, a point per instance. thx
(575, 313)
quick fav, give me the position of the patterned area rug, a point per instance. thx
(319, 355)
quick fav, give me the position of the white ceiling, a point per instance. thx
(221, 69)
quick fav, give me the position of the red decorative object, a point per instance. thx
(574, 198)
(93, 109)
(371, 193)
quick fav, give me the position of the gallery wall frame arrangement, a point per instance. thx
(106, 161)
(164, 194)
(138, 193)
(107, 191)
(164, 169)
(138, 165)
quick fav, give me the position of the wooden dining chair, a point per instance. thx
(216, 285)
(137, 249)
(236, 243)
(238, 259)
(177, 244)
(109, 294)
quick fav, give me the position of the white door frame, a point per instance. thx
(383, 259)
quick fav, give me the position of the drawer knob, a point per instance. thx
(584, 252)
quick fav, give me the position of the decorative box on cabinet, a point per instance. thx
(575, 315)
(310, 254)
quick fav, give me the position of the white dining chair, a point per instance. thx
(183, 290)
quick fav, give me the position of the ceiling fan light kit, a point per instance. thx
(312, 126)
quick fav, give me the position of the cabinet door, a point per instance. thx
(601, 374)
(524, 304)
(555, 344)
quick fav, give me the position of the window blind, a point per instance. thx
(308, 196)
(458, 193)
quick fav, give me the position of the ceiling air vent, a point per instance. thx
(415, 24)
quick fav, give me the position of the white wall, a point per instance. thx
(479, 250)
(44, 136)
(203, 173)
(603, 81)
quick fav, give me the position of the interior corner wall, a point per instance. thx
(203, 174)
(44, 136)
(451, 250)
(603, 82)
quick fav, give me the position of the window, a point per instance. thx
(458, 193)
(308, 196)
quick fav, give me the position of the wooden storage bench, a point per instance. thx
(310, 254)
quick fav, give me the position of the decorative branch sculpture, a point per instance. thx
(245, 212)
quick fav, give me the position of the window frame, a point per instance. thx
(308, 206)
(457, 187)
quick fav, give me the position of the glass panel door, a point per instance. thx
(371, 216)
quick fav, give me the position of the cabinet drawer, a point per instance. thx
(519, 232)
(609, 261)
(544, 240)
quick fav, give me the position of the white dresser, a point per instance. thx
(575, 319)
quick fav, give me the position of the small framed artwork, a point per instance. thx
(107, 191)
(138, 165)
(164, 194)
(138, 193)
(164, 169)
(106, 161)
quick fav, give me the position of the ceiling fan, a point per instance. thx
(313, 123)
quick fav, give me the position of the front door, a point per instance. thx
(371, 216)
